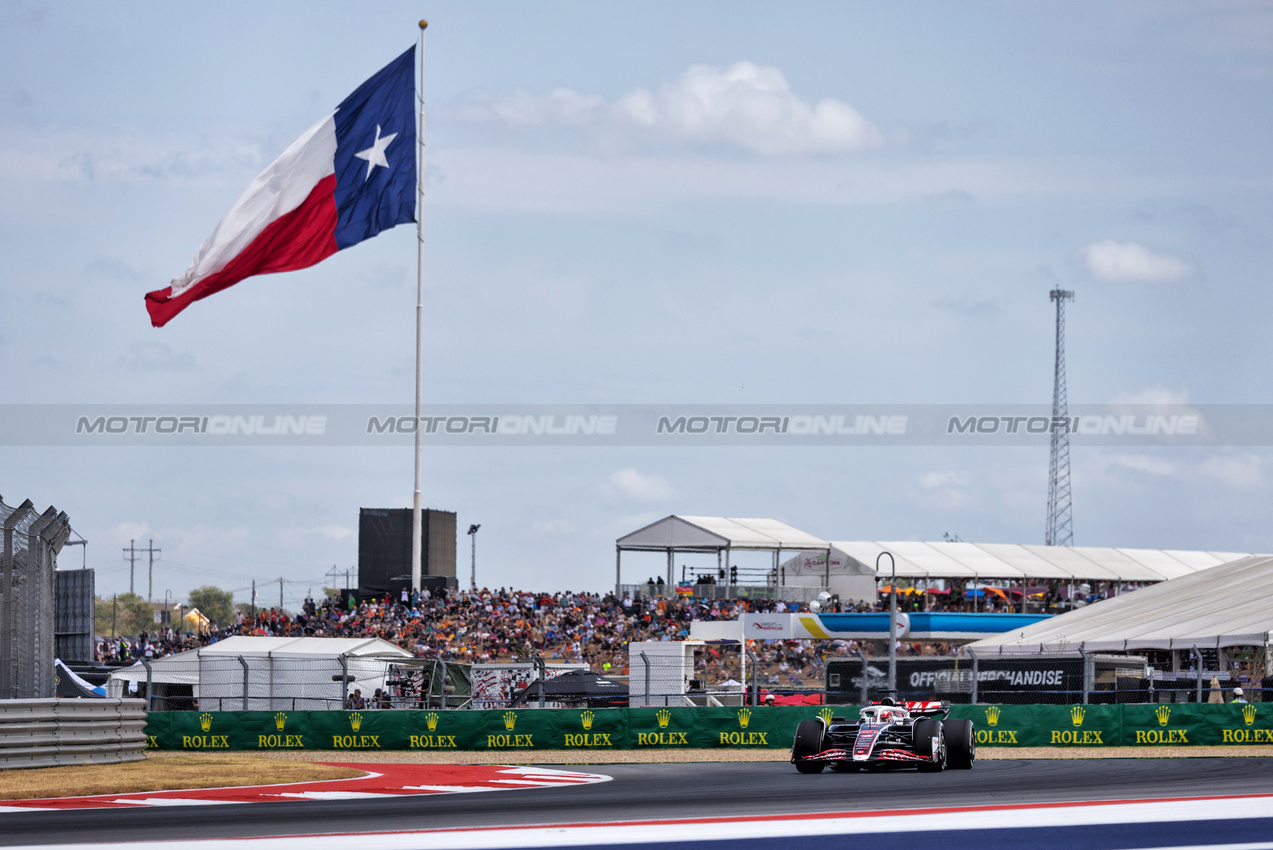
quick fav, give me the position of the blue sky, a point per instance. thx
(712, 202)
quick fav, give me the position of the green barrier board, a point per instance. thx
(1044, 725)
(752, 727)
(1190, 725)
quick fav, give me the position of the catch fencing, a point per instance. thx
(745, 727)
(28, 557)
(1036, 679)
(56, 732)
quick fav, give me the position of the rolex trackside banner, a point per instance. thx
(631, 425)
(747, 727)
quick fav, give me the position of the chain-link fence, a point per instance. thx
(1021, 679)
(28, 558)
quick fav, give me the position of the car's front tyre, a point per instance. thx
(808, 742)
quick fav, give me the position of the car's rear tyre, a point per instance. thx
(808, 742)
(925, 731)
(961, 743)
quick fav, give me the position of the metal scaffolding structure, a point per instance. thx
(1060, 530)
(28, 558)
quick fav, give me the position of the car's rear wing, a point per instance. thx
(928, 708)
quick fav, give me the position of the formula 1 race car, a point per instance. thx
(886, 735)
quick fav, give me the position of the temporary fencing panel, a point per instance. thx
(750, 727)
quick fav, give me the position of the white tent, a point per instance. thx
(280, 672)
(1012, 562)
(1227, 605)
(714, 534)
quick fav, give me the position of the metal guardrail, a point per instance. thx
(58, 732)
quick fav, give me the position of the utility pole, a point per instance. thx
(114, 596)
(150, 583)
(334, 575)
(131, 554)
(253, 605)
(280, 594)
(1060, 528)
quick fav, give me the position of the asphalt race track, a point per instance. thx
(662, 791)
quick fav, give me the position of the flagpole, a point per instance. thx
(417, 516)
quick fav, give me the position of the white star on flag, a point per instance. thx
(375, 155)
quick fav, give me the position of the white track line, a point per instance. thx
(784, 828)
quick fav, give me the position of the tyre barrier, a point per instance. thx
(760, 727)
(58, 732)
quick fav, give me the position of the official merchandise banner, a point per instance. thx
(747, 727)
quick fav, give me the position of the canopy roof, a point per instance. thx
(183, 667)
(249, 645)
(993, 561)
(1228, 605)
(714, 533)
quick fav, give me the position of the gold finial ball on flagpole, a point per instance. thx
(424, 24)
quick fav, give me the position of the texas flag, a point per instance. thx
(350, 176)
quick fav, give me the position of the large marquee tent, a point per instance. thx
(1228, 605)
(1009, 561)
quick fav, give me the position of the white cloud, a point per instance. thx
(522, 179)
(555, 526)
(1153, 395)
(943, 491)
(635, 485)
(101, 156)
(1144, 463)
(1239, 472)
(746, 105)
(206, 540)
(297, 537)
(1128, 262)
(155, 357)
(126, 531)
(936, 480)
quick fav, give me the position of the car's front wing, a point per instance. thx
(890, 754)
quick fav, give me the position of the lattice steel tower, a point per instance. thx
(1060, 530)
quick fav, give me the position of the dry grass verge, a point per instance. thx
(162, 772)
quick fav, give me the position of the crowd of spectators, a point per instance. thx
(500, 626)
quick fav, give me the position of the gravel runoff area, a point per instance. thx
(576, 757)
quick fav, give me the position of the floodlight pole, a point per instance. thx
(892, 620)
(473, 565)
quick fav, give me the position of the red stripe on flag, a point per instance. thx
(296, 240)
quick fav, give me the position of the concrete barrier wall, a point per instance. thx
(56, 732)
(686, 728)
